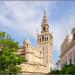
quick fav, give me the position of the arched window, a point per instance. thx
(74, 36)
(47, 38)
(44, 28)
(42, 38)
(70, 61)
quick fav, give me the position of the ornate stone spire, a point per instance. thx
(44, 13)
(45, 20)
(44, 25)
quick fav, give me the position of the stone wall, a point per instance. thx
(32, 67)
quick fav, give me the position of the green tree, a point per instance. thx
(9, 60)
(53, 72)
(68, 69)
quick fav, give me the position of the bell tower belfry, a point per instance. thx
(44, 26)
(45, 41)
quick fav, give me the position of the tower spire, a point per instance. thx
(44, 25)
(37, 31)
(45, 20)
(44, 13)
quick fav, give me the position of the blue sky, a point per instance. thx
(21, 19)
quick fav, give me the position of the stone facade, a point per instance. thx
(68, 49)
(39, 58)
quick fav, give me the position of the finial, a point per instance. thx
(68, 31)
(45, 19)
(44, 12)
(37, 31)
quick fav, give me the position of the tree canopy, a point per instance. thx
(9, 60)
(67, 69)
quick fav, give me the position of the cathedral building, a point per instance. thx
(68, 49)
(39, 58)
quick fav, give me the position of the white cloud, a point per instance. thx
(61, 29)
(26, 16)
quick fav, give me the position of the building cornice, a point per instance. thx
(68, 47)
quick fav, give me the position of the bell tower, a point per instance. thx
(44, 26)
(45, 41)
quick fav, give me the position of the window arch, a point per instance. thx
(44, 28)
(47, 38)
(74, 36)
(40, 39)
(70, 61)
